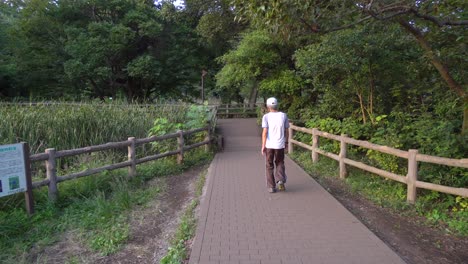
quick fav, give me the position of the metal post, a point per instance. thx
(202, 85)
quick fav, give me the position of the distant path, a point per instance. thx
(240, 222)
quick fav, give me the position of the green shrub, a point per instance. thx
(426, 132)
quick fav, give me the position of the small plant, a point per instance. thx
(461, 204)
(177, 252)
(108, 239)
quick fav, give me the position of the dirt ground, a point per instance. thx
(414, 241)
(151, 228)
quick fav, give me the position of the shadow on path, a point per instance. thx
(240, 222)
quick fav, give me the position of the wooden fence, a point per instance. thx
(413, 157)
(51, 155)
(236, 111)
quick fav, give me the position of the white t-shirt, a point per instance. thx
(276, 122)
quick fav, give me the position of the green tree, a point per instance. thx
(137, 50)
(110, 49)
(254, 59)
(365, 71)
(216, 31)
(36, 45)
(431, 23)
(7, 67)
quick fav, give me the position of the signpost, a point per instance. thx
(202, 86)
(15, 172)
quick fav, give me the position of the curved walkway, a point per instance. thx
(240, 222)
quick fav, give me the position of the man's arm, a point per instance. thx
(264, 136)
(286, 138)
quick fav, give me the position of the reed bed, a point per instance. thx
(68, 126)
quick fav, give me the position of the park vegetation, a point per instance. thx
(96, 210)
(390, 72)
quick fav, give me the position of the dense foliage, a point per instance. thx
(135, 50)
(417, 45)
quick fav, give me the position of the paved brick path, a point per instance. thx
(240, 222)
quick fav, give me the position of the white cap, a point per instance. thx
(272, 101)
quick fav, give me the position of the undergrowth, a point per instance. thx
(444, 211)
(95, 208)
(177, 252)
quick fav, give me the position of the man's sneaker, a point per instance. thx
(281, 186)
(271, 190)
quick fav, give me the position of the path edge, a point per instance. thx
(202, 216)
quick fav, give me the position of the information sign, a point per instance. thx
(12, 170)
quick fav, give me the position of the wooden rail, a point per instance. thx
(51, 155)
(227, 111)
(413, 157)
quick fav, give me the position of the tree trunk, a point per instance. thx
(441, 68)
(253, 96)
(97, 92)
(465, 116)
(363, 111)
(371, 92)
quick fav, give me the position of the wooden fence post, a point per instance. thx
(28, 195)
(208, 137)
(412, 176)
(315, 145)
(132, 157)
(343, 150)
(51, 172)
(290, 137)
(180, 144)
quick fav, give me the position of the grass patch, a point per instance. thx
(177, 252)
(436, 207)
(95, 208)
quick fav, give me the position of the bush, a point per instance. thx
(402, 131)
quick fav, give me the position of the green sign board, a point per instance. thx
(12, 170)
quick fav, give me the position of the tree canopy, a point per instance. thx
(359, 59)
(136, 50)
(437, 28)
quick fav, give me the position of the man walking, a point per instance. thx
(275, 126)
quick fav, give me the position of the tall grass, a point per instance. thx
(68, 126)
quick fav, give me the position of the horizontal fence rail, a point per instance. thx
(51, 155)
(413, 157)
(228, 110)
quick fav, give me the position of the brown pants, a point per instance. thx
(275, 157)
